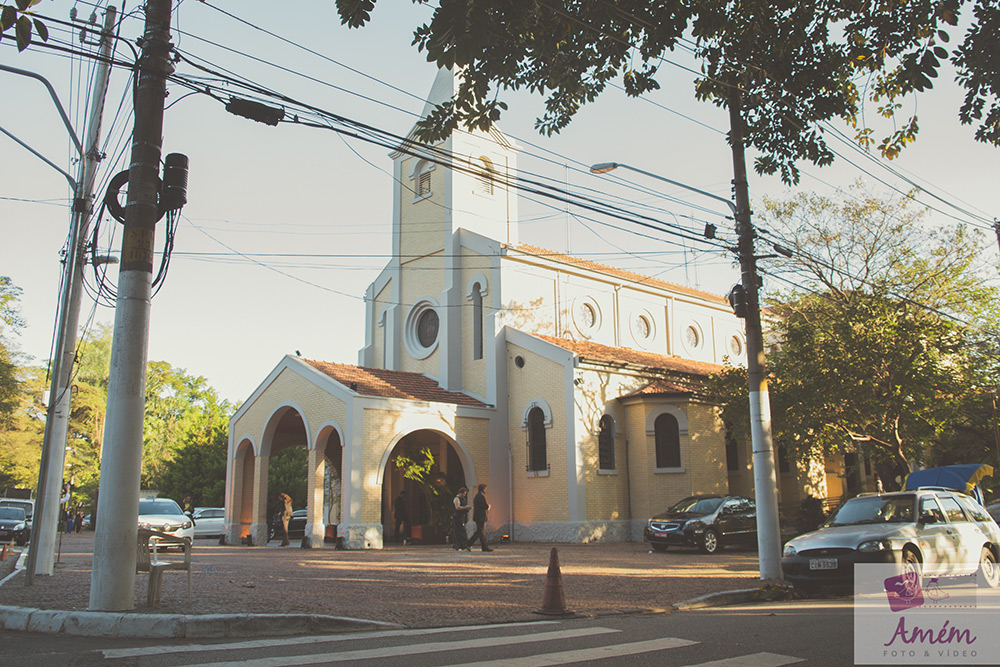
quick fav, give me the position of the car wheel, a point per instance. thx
(709, 542)
(912, 571)
(659, 547)
(988, 569)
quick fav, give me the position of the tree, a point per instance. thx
(199, 466)
(794, 63)
(10, 322)
(18, 16)
(422, 469)
(883, 342)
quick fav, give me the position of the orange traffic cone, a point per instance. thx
(3, 554)
(553, 600)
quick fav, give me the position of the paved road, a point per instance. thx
(817, 632)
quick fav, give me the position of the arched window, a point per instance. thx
(484, 177)
(421, 177)
(606, 444)
(668, 441)
(537, 459)
(477, 322)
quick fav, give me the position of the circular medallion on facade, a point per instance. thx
(420, 332)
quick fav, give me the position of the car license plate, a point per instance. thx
(822, 563)
(660, 533)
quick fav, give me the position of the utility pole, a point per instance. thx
(45, 525)
(765, 480)
(113, 577)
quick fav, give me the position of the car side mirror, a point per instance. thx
(928, 517)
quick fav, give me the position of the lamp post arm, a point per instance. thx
(608, 166)
(72, 181)
(55, 99)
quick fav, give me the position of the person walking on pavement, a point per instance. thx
(286, 516)
(399, 514)
(480, 511)
(460, 539)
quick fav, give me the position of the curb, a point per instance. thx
(721, 599)
(126, 624)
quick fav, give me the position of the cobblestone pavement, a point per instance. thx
(413, 585)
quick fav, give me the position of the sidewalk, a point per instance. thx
(413, 586)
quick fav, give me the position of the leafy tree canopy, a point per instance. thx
(884, 342)
(795, 63)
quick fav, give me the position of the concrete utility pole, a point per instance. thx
(112, 581)
(45, 526)
(764, 478)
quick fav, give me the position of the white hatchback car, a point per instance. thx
(165, 515)
(930, 531)
(209, 521)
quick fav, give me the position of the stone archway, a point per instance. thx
(326, 471)
(241, 502)
(428, 513)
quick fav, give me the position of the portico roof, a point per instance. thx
(384, 383)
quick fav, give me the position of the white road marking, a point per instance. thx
(753, 660)
(585, 654)
(476, 644)
(298, 641)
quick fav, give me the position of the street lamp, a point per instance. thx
(765, 480)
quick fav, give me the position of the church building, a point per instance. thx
(572, 389)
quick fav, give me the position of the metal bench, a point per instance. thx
(148, 559)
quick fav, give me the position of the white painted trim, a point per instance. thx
(323, 428)
(271, 424)
(484, 287)
(536, 403)
(431, 425)
(668, 471)
(682, 423)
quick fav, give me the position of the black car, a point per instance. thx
(14, 526)
(296, 526)
(706, 522)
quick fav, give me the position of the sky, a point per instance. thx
(286, 226)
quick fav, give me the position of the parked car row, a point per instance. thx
(927, 532)
(930, 532)
(14, 526)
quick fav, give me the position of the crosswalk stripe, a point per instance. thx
(584, 654)
(477, 644)
(298, 641)
(752, 660)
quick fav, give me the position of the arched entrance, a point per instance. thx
(427, 466)
(326, 470)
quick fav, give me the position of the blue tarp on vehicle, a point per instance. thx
(964, 477)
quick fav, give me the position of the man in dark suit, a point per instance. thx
(480, 512)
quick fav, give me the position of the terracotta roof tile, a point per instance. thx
(385, 383)
(589, 350)
(618, 273)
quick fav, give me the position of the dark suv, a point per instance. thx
(706, 522)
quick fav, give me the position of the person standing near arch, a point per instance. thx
(480, 512)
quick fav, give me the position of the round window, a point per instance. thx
(421, 329)
(736, 346)
(586, 316)
(692, 337)
(427, 327)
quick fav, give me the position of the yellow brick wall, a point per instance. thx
(422, 229)
(594, 393)
(703, 457)
(474, 370)
(318, 405)
(383, 426)
(422, 278)
(538, 498)
(382, 300)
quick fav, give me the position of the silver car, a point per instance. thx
(932, 532)
(165, 515)
(209, 521)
